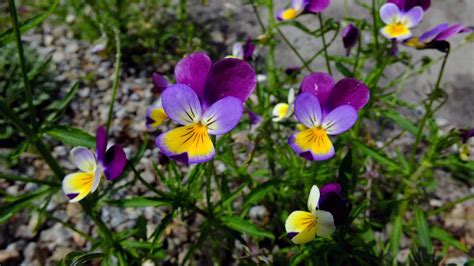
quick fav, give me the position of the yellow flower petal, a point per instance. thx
(301, 227)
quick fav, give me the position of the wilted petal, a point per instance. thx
(313, 198)
(229, 77)
(413, 17)
(429, 35)
(84, 159)
(449, 32)
(192, 71)
(319, 84)
(181, 104)
(313, 144)
(325, 226)
(308, 110)
(188, 144)
(390, 13)
(114, 163)
(350, 36)
(223, 115)
(301, 227)
(349, 91)
(339, 120)
(317, 6)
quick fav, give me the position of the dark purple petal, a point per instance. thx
(292, 70)
(192, 71)
(72, 195)
(330, 187)
(319, 84)
(249, 49)
(335, 204)
(160, 82)
(349, 91)
(406, 5)
(100, 143)
(449, 32)
(254, 117)
(229, 77)
(317, 6)
(350, 36)
(291, 235)
(467, 134)
(115, 160)
(429, 35)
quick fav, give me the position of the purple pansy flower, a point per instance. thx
(406, 5)
(206, 99)
(325, 108)
(399, 22)
(350, 35)
(299, 7)
(109, 162)
(332, 201)
(160, 82)
(155, 115)
(436, 37)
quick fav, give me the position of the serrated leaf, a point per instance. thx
(72, 136)
(238, 224)
(138, 202)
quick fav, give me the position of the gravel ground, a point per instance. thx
(75, 60)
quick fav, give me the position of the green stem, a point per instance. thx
(356, 64)
(326, 56)
(374, 19)
(19, 46)
(428, 112)
(118, 58)
(294, 50)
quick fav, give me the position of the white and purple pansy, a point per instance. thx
(435, 37)
(207, 99)
(299, 7)
(325, 108)
(109, 162)
(398, 22)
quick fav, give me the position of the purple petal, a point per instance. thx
(389, 13)
(100, 143)
(192, 71)
(350, 36)
(334, 203)
(291, 234)
(317, 6)
(308, 110)
(413, 16)
(229, 77)
(449, 32)
(223, 115)
(160, 82)
(114, 163)
(330, 187)
(249, 49)
(319, 84)
(181, 104)
(72, 195)
(405, 5)
(255, 119)
(427, 36)
(349, 91)
(340, 120)
(466, 134)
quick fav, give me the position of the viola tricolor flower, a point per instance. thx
(207, 99)
(302, 227)
(284, 110)
(155, 115)
(109, 162)
(398, 22)
(325, 108)
(405, 5)
(245, 51)
(436, 37)
(350, 35)
(331, 200)
(299, 7)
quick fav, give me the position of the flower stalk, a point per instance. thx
(323, 38)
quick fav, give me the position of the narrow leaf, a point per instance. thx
(72, 136)
(138, 202)
(244, 226)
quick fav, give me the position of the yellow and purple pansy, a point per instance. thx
(436, 37)
(302, 226)
(299, 7)
(325, 108)
(398, 22)
(108, 162)
(155, 115)
(207, 99)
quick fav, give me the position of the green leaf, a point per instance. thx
(76, 258)
(396, 236)
(21, 202)
(446, 238)
(61, 104)
(344, 70)
(72, 136)
(423, 230)
(402, 121)
(377, 155)
(27, 25)
(244, 226)
(139, 202)
(345, 173)
(259, 193)
(356, 211)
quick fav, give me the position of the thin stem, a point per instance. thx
(259, 18)
(428, 112)
(326, 56)
(374, 19)
(19, 46)
(118, 58)
(295, 51)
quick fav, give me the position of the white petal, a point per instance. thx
(84, 159)
(325, 226)
(313, 199)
